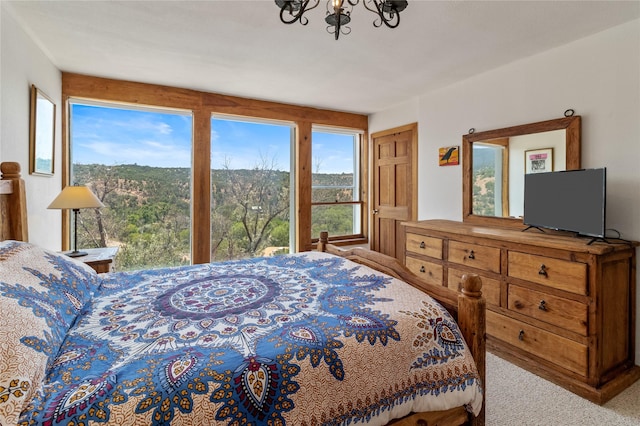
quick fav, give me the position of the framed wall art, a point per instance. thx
(538, 160)
(449, 156)
(42, 133)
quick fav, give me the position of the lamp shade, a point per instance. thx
(76, 197)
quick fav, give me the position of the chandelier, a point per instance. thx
(339, 12)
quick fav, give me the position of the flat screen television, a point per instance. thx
(571, 200)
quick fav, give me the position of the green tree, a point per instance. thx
(259, 197)
(147, 212)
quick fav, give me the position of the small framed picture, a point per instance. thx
(538, 160)
(449, 156)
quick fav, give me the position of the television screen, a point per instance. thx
(572, 200)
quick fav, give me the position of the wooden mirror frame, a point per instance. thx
(42, 133)
(572, 125)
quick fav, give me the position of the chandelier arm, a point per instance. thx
(304, 7)
(394, 16)
(377, 10)
(306, 4)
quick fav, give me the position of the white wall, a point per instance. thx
(598, 77)
(405, 113)
(22, 64)
(555, 139)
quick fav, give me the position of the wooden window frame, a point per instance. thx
(203, 105)
(359, 238)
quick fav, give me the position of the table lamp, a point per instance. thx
(76, 198)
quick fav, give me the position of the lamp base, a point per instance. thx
(77, 253)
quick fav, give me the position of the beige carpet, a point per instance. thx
(517, 397)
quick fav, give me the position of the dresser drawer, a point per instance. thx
(556, 273)
(565, 313)
(490, 286)
(431, 273)
(556, 349)
(427, 246)
(476, 256)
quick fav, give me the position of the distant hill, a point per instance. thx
(148, 211)
(172, 175)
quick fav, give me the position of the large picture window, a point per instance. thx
(191, 219)
(138, 163)
(251, 188)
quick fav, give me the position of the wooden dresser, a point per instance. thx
(556, 306)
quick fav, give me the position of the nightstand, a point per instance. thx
(100, 259)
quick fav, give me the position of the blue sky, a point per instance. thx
(111, 136)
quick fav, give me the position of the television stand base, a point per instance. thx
(534, 227)
(594, 239)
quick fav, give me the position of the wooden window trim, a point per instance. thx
(203, 105)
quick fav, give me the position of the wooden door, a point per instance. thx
(395, 187)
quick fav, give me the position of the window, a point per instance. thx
(138, 163)
(335, 193)
(490, 178)
(251, 188)
(191, 133)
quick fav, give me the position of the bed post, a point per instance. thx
(473, 326)
(13, 204)
(323, 241)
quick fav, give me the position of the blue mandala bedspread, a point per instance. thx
(299, 339)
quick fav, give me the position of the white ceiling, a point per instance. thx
(241, 48)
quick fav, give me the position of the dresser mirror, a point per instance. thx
(495, 162)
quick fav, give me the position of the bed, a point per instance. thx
(325, 337)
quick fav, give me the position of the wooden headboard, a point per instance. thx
(13, 204)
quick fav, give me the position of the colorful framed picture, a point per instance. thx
(449, 156)
(538, 160)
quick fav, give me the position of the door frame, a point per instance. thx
(413, 127)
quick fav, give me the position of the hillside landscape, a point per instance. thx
(147, 212)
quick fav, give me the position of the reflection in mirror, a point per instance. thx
(496, 161)
(499, 169)
(41, 133)
(490, 178)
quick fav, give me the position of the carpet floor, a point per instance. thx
(517, 397)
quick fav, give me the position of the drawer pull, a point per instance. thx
(543, 305)
(422, 269)
(521, 335)
(422, 244)
(472, 255)
(543, 270)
